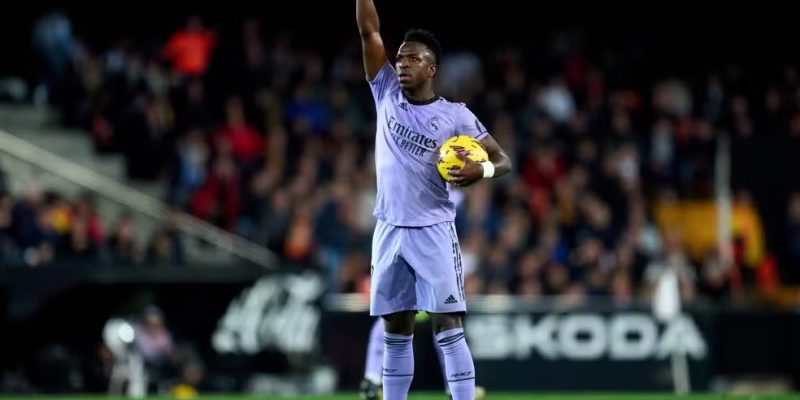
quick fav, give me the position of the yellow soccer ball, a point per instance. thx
(459, 143)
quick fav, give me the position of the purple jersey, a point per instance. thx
(410, 191)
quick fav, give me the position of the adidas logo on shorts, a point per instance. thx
(450, 300)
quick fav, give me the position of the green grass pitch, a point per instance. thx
(440, 396)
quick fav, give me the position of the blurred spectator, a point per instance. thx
(153, 340)
(715, 277)
(163, 358)
(672, 97)
(189, 49)
(31, 226)
(55, 45)
(461, 76)
(123, 244)
(189, 167)
(144, 137)
(218, 199)
(86, 235)
(245, 142)
(675, 258)
(557, 102)
(166, 246)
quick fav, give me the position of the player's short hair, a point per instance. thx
(428, 39)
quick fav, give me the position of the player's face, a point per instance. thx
(414, 64)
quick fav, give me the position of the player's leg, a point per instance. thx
(398, 355)
(393, 296)
(373, 367)
(440, 291)
(459, 366)
(480, 391)
(440, 357)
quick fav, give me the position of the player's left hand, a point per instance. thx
(470, 173)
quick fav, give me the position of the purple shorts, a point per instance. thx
(416, 268)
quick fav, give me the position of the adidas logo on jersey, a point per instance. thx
(450, 300)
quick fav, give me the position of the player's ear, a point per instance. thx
(433, 69)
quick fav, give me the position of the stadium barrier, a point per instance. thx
(245, 323)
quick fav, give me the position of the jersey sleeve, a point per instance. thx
(384, 82)
(468, 124)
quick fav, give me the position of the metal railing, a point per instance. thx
(134, 200)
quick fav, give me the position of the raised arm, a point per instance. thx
(371, 42)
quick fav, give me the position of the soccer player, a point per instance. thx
(416, 259)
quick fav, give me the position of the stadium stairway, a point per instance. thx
(38, 127)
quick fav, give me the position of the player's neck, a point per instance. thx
(421, 96)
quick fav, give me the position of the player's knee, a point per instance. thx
(444, 322)
(401, 323)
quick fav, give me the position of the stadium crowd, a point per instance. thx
(273, 140)
(44, 228)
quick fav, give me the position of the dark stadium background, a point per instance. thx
(646, 42)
